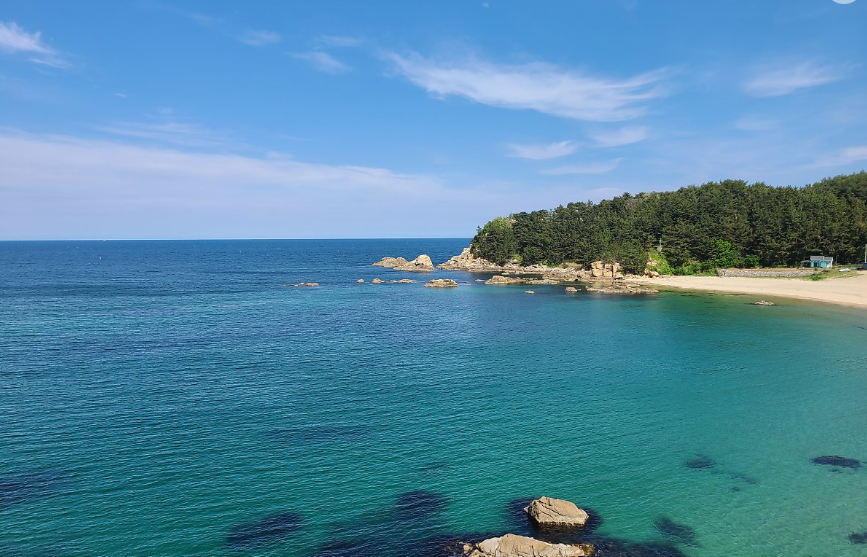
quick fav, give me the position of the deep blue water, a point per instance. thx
(174, 398)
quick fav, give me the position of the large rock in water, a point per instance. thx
(512, 545)
(548, 511)
(422, 263)
(441, 283)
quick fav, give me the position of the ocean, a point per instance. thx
(175, 398)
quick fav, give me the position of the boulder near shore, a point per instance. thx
(422, 264)
(512, 545)
(441, 283)
(548, 511)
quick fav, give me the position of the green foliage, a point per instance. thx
(495, 241)
(724, 254)
(718, 224)
(660, 263)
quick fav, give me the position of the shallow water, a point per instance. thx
(174, 398)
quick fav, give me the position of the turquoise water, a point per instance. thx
(173, 398)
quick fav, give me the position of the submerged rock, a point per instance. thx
(571, 289)
(529, 291)
(839, 461)
(441, 283)
(20, 488)
(266, 531)
(700, 461)
(419, 503)
(556, 512)
(764, 303)
(858, 538)
(512, 545)
(304, 284)
(674, 531)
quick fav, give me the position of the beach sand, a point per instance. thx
(847, 291)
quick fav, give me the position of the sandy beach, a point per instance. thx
(847, 291)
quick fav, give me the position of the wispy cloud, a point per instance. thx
(755, 124)
(845, 156)
(14, 39)
(546, 88)
(587, 168)
(171, 132)
(542, 152)
(67, 187)
(774, 81)
(260, 37)
(623, 136)
(338, 41)
(322, 61)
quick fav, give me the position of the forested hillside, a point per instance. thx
(718, 224)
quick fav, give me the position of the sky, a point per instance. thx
(152, 119)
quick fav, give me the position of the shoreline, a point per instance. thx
(844, 291)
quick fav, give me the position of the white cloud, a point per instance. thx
(322, 61)
(542, 152)
(176, 133)
(846, 156)
(539, 86)
(588, 168)
(255, 37)
(774, 81)
(338, 41)
(14, 39)
(623, 136)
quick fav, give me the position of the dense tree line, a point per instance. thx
(718, 224)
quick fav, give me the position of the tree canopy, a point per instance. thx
(718, 224)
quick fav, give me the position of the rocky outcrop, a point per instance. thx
(466, 261)
(571, 289)
(441, 283)
(422, 263)
(548, 511)
(599, 269)
(377, 281)
(391, 262)
(360, 281)
(622, 289)
(512, 545)
(502, 280)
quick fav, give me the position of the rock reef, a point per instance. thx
(441, 283)
(304, 284)
(627, 289)
(421, 264)
(512, 545)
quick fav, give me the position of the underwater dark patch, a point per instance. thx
(419, 503)
(675, 531)
(699, 462)
(840, 461)
(302, 435)
(743, 477)
(20, 488)
(434, 468)
(614, 547)
(350, 548)
(736, 488)
(266, 531)
(858, 538)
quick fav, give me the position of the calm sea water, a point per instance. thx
(174, 398)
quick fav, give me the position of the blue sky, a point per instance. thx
(217, 119)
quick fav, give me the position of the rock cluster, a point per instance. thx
(466, 261)
(380, 281)
(304, 284)
(548, 511)
(504, 279)
(622, 289)
(441, 283)
(512, 545)
(598, 269)
(422, 263)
